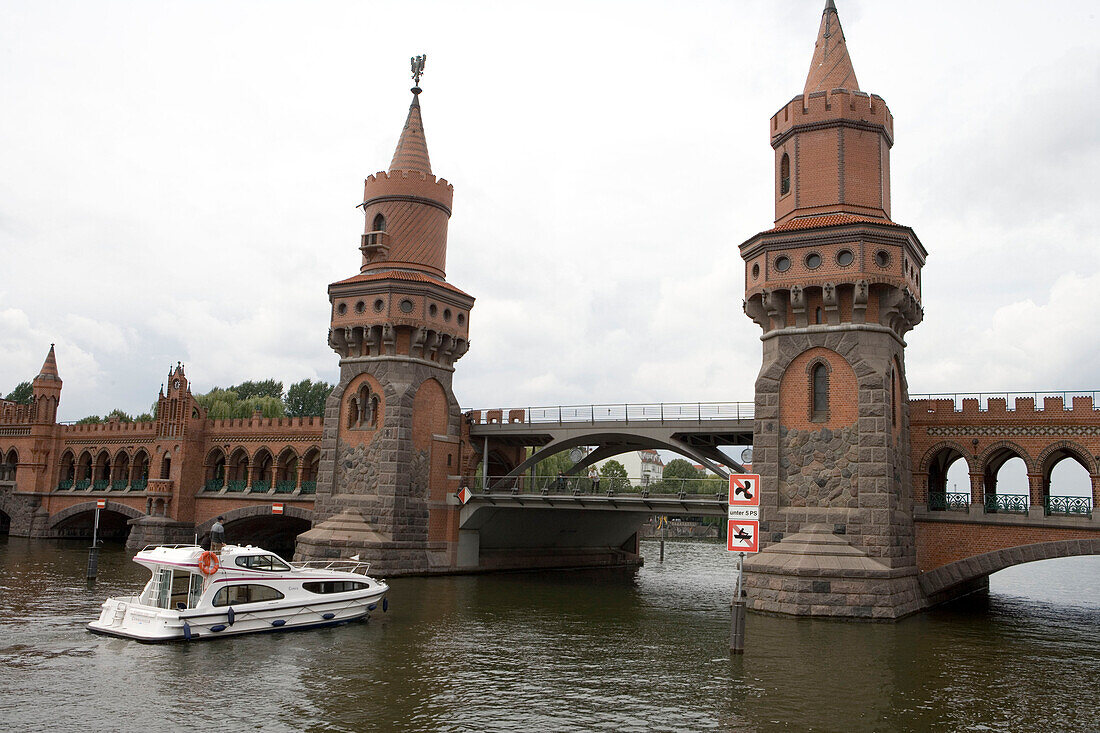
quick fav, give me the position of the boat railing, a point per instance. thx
(343, 566)
(187, 546)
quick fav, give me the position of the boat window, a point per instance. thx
(197, 584)
(334, 586)
(262, 562)
(235, 594)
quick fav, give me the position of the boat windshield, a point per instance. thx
(262, 562)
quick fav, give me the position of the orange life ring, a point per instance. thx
(208, 563)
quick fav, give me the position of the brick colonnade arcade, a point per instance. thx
(390, 453)
(834, 286)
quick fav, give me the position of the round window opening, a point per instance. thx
(379, 305)
(755, 271)
(845, 257)
(446, 314)
(406, 306)
(783, 263)
(432, 309)
(882, 258)
(342, 308)
(813, 260)
(359, 307)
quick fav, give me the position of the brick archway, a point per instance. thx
(1071, 450)
(1005, 445)
(250, 512)
(932, 452)
(89, 506)
(967, 570)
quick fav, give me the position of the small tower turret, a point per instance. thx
(47, 390)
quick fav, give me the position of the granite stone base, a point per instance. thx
(820, 574)
(159, 531)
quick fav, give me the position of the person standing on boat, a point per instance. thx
(217, 536)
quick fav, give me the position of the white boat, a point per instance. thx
(197, 594)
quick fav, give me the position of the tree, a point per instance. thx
(122, 416)
(266, 388)
(306, 398)
(90, 420)
(613, 476)
(679, 468)
(23, 394)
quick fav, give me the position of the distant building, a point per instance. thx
(643, 466)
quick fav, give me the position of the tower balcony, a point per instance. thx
(375, 246)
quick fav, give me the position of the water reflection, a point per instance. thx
(622, 651)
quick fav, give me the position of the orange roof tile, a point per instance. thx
(399, 275)
(828, 220)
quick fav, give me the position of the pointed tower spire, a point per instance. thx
(49, 367)
(831, 67)
(412, 148)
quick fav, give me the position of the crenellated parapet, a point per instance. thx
(110, 429)
(974, 410)
(845, 107)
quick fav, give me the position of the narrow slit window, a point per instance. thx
(820, 378)
(785, 175)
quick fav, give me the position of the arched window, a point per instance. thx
(166, 467)
(785, 175)
(379, 224)
(353, 412)
(817, 315)
(820, 391)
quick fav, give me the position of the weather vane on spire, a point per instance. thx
(417, 63)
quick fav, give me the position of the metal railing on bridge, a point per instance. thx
(1070, 506)
(700, 488)
(655, 412)
(1038, 398)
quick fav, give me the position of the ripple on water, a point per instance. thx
(605, 651)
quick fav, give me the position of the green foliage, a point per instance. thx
(613, 476)
(225, 404)
(22, 394)
(679, 468)
(266, 388)
(559, 462)
(90, 420)
(144, 417)
(122, 416)
(307, 398)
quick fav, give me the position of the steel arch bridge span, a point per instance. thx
(697, 442)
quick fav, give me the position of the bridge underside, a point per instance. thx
(502, 531)
(699, 441)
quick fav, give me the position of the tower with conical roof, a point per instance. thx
(392, 424)
(47, 390)
(834, 286)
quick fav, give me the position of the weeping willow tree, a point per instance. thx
(226, 404)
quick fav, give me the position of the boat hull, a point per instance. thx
(126, 619)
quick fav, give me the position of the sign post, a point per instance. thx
(742, 536)
(93, 551)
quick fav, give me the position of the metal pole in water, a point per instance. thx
(93, 551)
(664, 536)
(737, 626)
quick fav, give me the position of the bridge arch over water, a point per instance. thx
(78, 520)
(975, 570)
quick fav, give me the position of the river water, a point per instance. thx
(643, 650)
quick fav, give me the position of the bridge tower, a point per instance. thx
(392, 425)
(834, 286)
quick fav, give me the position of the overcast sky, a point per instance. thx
(178, 182)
